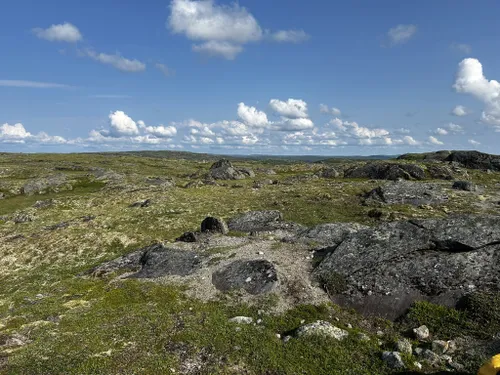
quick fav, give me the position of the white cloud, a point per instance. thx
(471, 80)
(435, 141)
(32, 84)
(441, 131)
(290, 36)
(161, 131)
(117, 61)
(401, 33)
(292, 108)
(410, 141)
(473, 142)
(164, 69)
(122, 125)
(219, 48)
(205, 20)
(65, 32)
(459, 111)
(223, 29)
(292, 124)
(462, 47)
(251, 116)
(18, 134)
(352, 129)
(323, 108)
(454, 128)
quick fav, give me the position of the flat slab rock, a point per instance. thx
(253, 276)
(152, 262)
(407, 192)
(386, 171)
(387, 268)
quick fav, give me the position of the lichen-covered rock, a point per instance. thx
(329, 173)
(241, 320)
(54, 183)
(407, 192)
(464, 185)
(421, 333)
(321, 328)
(440, 172)
(253, 276)
(255, 221)
(393, 360)
(214, 225)
(329, 234)
(224, 170)
(386, 171)
(386, 268)
(404, 346)
(475, 160)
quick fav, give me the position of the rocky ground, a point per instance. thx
(149, 264)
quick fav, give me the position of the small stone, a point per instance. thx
(464, 185)
(286, 339)
(260, 253)
(393, 360)
(404, 346)
(421, 333)
(418, 351)
(241, 320)
(248, 279)
(349, 325)
(278, 336)
(302, 321)
(430, 356)
(439, 346)
(380, 333)
(259, 321)
(417, 365)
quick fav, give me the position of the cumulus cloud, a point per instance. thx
(470, 79)
(435, 141)
(323, 108)
(117, 61)
(292, 108)
(290, 36)
(18, 134)
(65, 32)
(122, 125)
(32, 84)
(441, 131)
(161, 131)
(401, 33)
(410, 141)
(473, 142)
(223, 30)
(459, 111)
(251, 116)
(291, 124)
(353, 129)
(454, 128)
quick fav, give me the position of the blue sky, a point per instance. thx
(274, 77)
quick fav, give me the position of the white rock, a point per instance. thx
(421, 333)
(241, 320)
(323, 328)
(248, 279)
(418, 365)
(439, 346)
(404, 346)
(393, 359)
(349, 325)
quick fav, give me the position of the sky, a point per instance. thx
(249, 77)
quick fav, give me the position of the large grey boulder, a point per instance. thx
(256, 221)
(407, 192)
(330, 234)
(224, 170)
(475, 160)
(152, 262)
(383, 270)
(53, 183)
(253, 276)
(386, 171)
